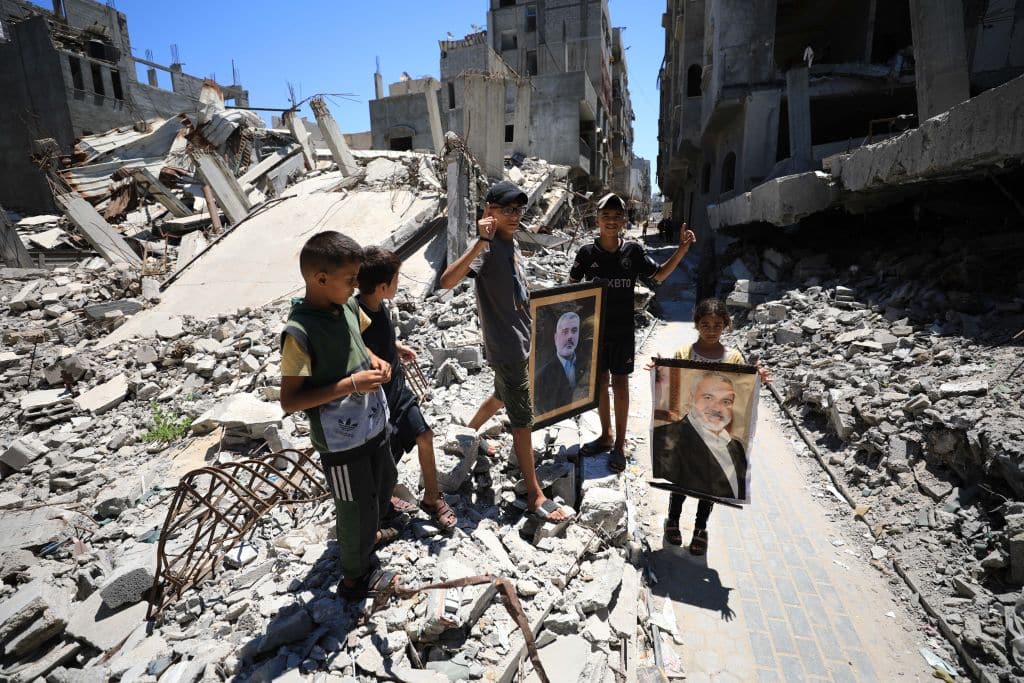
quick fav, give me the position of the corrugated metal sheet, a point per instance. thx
(93, 181)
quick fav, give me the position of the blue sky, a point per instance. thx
(331, 46)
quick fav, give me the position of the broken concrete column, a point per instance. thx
(160, 192)
(434, 119)
(798, 99)
(104, 239)
(940, 55)
(224, 186)
(484, 115)
(521, 122)
(298, 129)
(12, 250)
(335, 140)
(459, 202)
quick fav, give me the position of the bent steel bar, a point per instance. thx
(215, 508)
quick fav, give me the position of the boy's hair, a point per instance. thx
(715, 307)
(379, 268)
(327, 251)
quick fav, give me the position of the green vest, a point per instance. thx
(335, 347)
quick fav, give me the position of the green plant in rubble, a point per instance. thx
(165, 426)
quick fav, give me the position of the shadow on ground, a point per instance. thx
(692, 581)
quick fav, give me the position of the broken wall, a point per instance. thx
(33, 107)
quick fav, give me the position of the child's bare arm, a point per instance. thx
(406, 353)
(686, 240)
(295, 398)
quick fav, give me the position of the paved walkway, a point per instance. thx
(774, 599)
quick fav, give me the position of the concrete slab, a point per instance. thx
(782, 201)
(102, 627)
(33, 528)
(107, 241)
(258, 261)
(969, 136)
(105, 396)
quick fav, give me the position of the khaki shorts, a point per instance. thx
(512, 387)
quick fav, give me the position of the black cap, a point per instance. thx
(505, 193)
(611, 200)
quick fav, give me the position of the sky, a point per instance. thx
(331, 46)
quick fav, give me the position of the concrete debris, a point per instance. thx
(114, 388)
(914, 385)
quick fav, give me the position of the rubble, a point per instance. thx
(904, 380)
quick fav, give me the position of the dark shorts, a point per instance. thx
(512, 387)
(616, 354)
(407, 424)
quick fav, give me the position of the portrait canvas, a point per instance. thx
(567, 329)
(702, 428)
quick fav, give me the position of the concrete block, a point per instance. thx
(788, 335)
(23, 452)
(624, 612)
(598, 593)
(241, 412)
(603, 508)
(293, 626)
(126, 585)
(22, 608)
(105, 396)
(35, 400)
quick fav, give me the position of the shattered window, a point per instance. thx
(76, 73)
(509, 40)
(729, 172)
(531, 63)
(531, 19)
(451, 95)
(115, 77)
(97, 80)
(510, 133)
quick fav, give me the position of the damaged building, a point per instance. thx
(545, 79)
(69, 73)
(775, 111)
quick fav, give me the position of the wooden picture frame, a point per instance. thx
(703, 418)
(554, 394)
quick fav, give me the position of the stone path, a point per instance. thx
(774, 599)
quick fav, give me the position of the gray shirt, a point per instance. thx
(503, 301)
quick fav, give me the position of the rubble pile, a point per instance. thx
(913, 393)
(95, 433)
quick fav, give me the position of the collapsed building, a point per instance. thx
(140, 378)
(71, 73)
(854, 171)
(545, 79)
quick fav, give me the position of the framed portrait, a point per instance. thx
(702, 428)
(568, 323)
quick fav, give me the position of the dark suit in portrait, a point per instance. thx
(553, 389)
(681, 456)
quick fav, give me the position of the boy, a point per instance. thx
(503, 304)
(378, 282)
(327, 372)
(620, 263)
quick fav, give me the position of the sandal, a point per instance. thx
(594, 447)
(699, 542)
(441, 512)
(672, 534)
(545, 510)
(392, 530)
(375, 584)
(617, 461)
(401, 506)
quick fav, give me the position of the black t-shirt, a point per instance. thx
(620, 268)
(379, 337)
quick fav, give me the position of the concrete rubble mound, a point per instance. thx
(900, 363)
(102, 415)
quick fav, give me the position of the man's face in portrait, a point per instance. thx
(712, 403)
(567, 335)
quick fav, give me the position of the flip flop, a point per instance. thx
(546, 509)
(594, 447)
(617, 461)
(441, 513)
